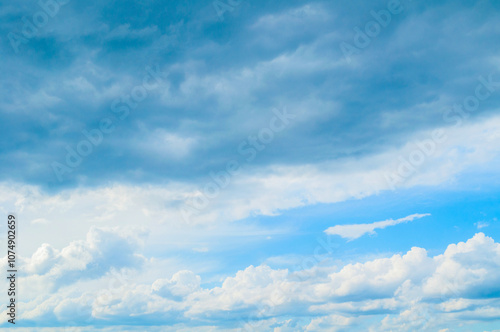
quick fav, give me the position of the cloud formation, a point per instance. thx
(352, 232)
(364, 126)
(413, 290)
(103, 250)
(221, 79)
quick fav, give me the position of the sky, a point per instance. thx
(246, 165)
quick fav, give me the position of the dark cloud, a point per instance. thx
(222, 78)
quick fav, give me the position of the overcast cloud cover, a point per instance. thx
(246, 165)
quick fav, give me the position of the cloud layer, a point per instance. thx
(220, 81)
(408, 291)
(172, 116)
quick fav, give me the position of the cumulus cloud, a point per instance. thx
(353, 232)
(331, 323)
(43, 259)
(221, 79)
(180, 285)
(402, 292)
(103, 250)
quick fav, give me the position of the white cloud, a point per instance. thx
(353, 232)
(43, 259)
(481, 224)
(164, 145)
(401, 292)
(49, 269)
(330, 323)
(310, 13)
(254, 191)
(180, 285)
(455, 274)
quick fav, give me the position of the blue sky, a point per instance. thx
(237, 165)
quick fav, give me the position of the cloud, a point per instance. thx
(103, 250)
(254, 191)
(481, 224)
(43, 259)
(221, 81)
(180, 285)
(414, 291)
(330, 323)
(355, 122)
(356, 231)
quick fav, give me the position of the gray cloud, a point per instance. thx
(225, 77)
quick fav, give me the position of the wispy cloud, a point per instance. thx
(353, 232)
(481, 224)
